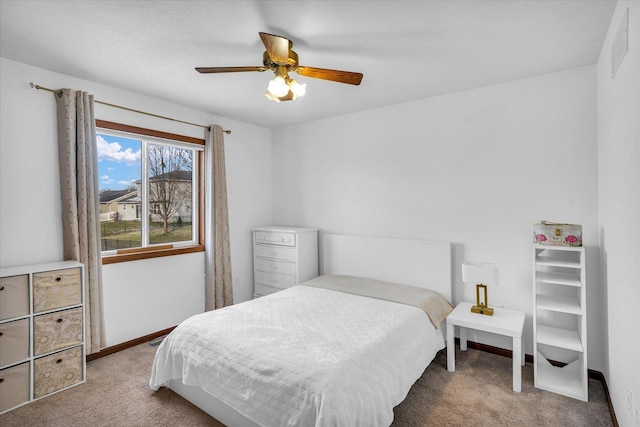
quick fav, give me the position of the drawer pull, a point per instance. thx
(1, 287)
(1, 380)
(1, 334)
(58, 279)
(59, 320)
(59, 361)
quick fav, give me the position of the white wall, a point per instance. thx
(477, 168)
(146, 296)
(619, 191)
(30, 198)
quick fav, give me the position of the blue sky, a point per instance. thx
(118, 161)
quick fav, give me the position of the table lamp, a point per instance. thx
(482, 274)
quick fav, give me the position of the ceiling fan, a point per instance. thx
(280, 59)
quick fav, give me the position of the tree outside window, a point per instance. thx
(170, 184)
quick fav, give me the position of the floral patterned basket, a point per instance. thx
(557, 234)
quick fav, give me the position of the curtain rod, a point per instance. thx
(59, 93)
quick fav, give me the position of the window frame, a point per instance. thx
(123, 255)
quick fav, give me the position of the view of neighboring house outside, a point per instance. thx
(170, 208)
(170, 197)
(119, 205)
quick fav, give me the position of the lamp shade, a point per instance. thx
(480, 272)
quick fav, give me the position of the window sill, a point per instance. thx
(134, 256)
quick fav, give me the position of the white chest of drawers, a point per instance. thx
(283, 257)
(41, 331)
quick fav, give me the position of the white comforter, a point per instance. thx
(305, 356)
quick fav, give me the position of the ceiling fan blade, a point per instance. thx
(277, 47)
(347, 77)
(207, 70)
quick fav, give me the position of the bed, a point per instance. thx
(332, 351)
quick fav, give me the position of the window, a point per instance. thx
(149, 198)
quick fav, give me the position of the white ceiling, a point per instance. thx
(407, 50)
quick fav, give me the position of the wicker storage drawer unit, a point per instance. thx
(14, 296)
(42, 346)
(57, 330)
(57, 371)
(56, 289)
(14, 386)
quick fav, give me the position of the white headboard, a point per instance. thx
(423, 263)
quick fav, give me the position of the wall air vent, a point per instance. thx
(620, 44)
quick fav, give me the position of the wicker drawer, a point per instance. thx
(14, 386)
(276, 238)
(57, 371)
(274, 266)
(281, 281)
(56, 289)
(55, 331)
(14, 341)
(14, 296)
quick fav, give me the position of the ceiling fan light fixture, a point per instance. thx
(278, 87)
(297, 89)
(271, 97)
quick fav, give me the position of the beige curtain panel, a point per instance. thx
(218, 282)
(78, 161)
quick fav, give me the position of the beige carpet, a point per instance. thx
(477, 394)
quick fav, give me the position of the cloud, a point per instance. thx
(114, 152)
(104, 177)
(127, 183)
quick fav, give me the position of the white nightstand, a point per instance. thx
(504, 322)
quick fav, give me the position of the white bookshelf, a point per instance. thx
(560, 320)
